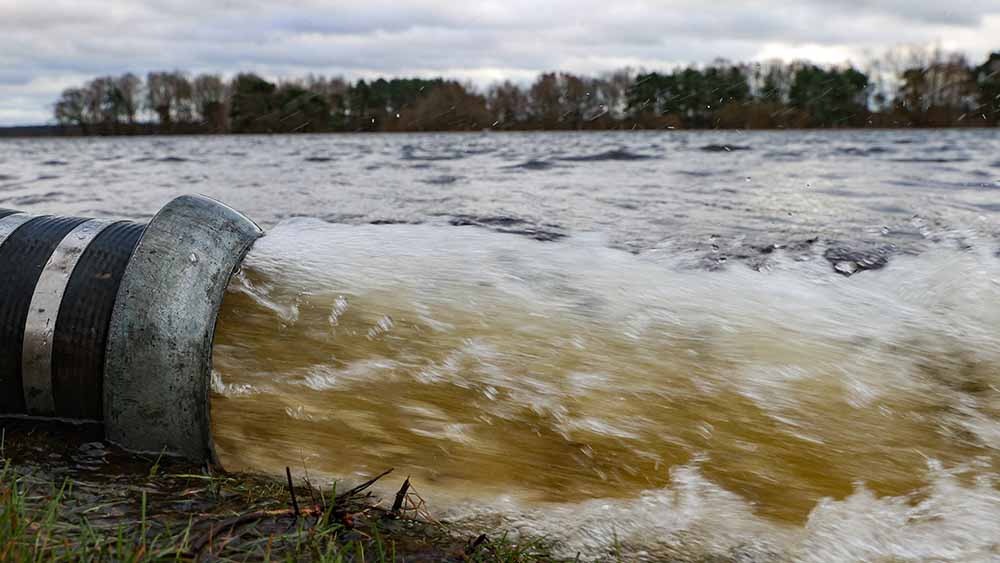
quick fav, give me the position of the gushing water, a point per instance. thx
(602, 398)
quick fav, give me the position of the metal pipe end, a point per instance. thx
(158, 360)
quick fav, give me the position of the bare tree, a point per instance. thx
(615, 86)
(159, 96)
(208, 92)
(450, 107)
(507, 103)
(71, 108)
(333, 89)
(546, 101)
(183, 97)
(127, 91)
(99, 100)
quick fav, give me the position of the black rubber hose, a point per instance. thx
(113, 321)
(22, 258)
(81, 332)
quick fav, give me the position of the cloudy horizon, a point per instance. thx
(62, 43)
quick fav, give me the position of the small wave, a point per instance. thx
(623, 203)
(698, 173)
(932, 160)
(784, 154)
(318, 159)
(413, 153)
(928, 183)
(171, 159)
(891, 209)
(54, 163)
(34, 199)
(496, 221)
(855, 151)
(478, 151)
(501, 220)
(335, 217)
(340, 217)
(724, 148)
(614, 154)
(391, 222)
(442, 180)
(510, 225)
(533, 164)
(5, 177)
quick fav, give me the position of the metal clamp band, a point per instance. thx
(40, 325)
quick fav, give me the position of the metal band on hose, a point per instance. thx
(40, 324)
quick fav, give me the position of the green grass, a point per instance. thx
(161, 516)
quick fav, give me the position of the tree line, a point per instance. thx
(916, 88)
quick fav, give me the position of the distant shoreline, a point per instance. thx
(152, 130)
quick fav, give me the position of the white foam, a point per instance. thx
(465, 349)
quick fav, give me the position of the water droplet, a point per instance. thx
(490, 392)
(339, 307)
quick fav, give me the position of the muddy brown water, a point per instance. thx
(551, 384)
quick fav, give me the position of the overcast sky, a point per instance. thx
(47, 45)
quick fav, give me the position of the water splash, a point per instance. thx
(592, 395)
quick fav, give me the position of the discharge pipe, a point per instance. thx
(113, 321)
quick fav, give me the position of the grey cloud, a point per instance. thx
(46, 45)
(953, 12)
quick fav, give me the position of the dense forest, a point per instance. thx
(920, 89)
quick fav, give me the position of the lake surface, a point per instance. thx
(749, 346)
(686, 192)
